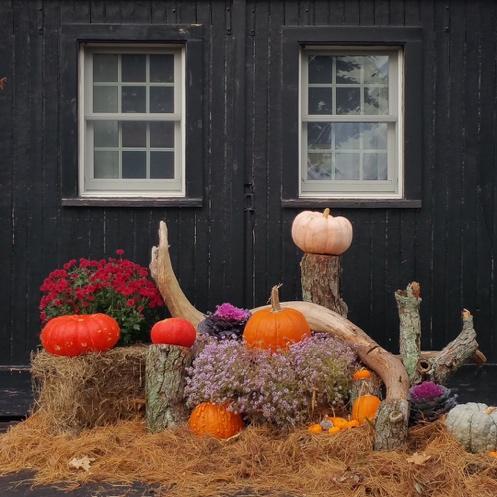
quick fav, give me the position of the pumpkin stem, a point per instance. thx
(275, 298)
(326, 212)
(490, 410)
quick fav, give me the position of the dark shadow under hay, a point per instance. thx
(75, 393)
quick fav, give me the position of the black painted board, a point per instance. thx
(15, 394)
(6, 171)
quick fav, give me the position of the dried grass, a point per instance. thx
(74, 393)
(300, 464)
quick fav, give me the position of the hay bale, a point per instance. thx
(75, 393)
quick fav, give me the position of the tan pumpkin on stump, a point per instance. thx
(321, 233)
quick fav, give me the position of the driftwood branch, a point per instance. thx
(408, 302)
(162, 272)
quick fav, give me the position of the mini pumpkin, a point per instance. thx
(321, 233)
(474, 425)
(277, 327)
(214, 420)
(173, 331)
(79, 334)
(365, 407)
(362, 374)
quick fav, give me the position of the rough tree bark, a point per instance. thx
(453, 355)
(435, 366)
(408, 302)
(165, 367)
(388, 367)
(320, 277)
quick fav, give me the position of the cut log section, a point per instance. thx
(165, 371)
(320, 277)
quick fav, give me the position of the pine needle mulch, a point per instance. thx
(298, 464)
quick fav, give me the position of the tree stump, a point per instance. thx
(320, 276)
(165, 370)
(408, 302)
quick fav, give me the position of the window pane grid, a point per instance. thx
(349, 91)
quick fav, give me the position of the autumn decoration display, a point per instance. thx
(321, 233)
(75, 335)
(215, 420)
(173, 331)
(277, 327)
(114, 286)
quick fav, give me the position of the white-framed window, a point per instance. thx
(131, 121)
(351, 133)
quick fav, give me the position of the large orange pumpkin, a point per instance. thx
(321, 233)
(365, 407)
(174, 331)
(275, 328)
(79, 334)
(214, 420)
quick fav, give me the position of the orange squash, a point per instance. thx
(315, 428)
(362, 374)
(365, 407)
(337, 421)
(214, 420)
(321, 233)
(275, 328)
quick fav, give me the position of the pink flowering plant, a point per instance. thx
(227, 321)
(283, 390)
(115, 286)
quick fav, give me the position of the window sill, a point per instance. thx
(347, 203)
(131, 202)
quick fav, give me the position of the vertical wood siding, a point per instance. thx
(222, 251)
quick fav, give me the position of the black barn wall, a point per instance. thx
(229, 250)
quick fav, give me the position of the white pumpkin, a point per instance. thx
(321, 233)
(474, 426)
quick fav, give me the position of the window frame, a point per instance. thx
(191, 39)
(363, 189)
(296, 39)
(129, 187)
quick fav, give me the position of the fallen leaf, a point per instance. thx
(418, 458)
(83, 463)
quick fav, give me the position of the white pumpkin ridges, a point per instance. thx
(472, 427)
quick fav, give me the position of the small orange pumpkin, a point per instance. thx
(362, 374)
(214, 420)
(321, 233)
(337, 421)
(315, 428)
(334, 430)
(275, 328)
(365, 407)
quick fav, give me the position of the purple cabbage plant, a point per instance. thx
(227, 322)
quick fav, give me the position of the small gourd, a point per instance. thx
(365, 407)
(321, 233)
(474, 425)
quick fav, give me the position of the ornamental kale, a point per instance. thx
(117, 287)
(284, 389)
(227, 322)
